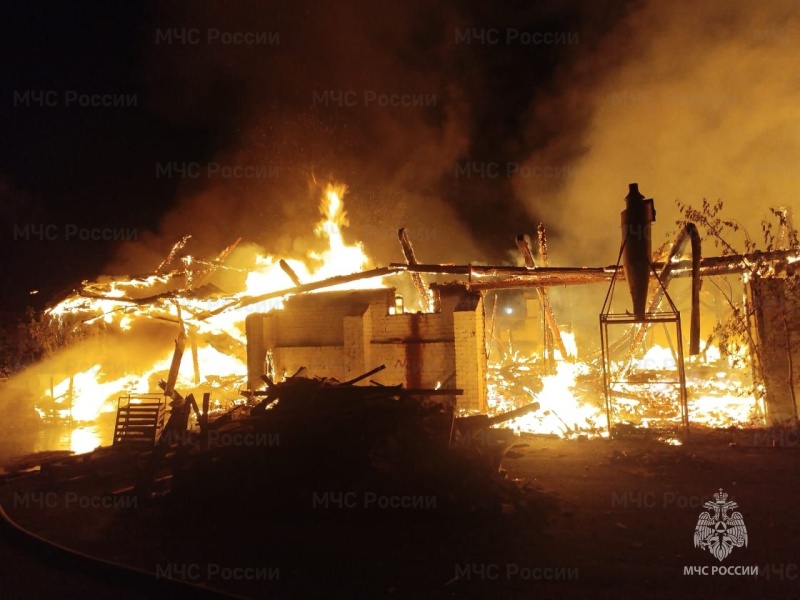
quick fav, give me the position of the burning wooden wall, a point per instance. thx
(344, 334)
(775, 306)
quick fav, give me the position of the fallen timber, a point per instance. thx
(484, 421)
(303, 405)
(320, 433)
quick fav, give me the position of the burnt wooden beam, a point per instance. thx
(177, 355)
(306, 287)
(377, 369)
(509, 277)
(491, 328)
(427, 392)
(177, 247)
(419, 284)
(541, 236)
(716, 265)
(290, 272)
(214, 265)
(514, 414)
(474, 422)
(525, 250)
(544, 255)
(544, 300)
(195, 356)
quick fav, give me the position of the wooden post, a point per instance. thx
(195, 358)
(423, 292)
(491, 329)
(541, 235)
(204, 421)
(544, 302)
(70, 395)
(177, 355)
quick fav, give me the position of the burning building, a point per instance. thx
(344, 334)
(343, 319)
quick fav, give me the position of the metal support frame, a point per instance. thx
(608, 318)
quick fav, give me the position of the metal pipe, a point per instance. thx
(636, 245)
(688, 233)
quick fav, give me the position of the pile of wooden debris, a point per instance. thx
(307, 435)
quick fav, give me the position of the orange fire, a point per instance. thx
(215, 358)
(82, 396)
(567, 412)
(338, 258)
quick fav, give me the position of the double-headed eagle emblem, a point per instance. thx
(720, 533)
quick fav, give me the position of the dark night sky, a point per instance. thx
(68, 166)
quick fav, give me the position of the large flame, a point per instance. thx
(648, 398)
(81, 397)
(570, 395)
(338, 258)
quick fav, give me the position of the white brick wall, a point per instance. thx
(343, 339)
(388, 328)
(320, 361)
(470, 359)
(435, 363)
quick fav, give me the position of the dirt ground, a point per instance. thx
(603, 519)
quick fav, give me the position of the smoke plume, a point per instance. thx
(308, 108)
(305, 110)
(691, 101)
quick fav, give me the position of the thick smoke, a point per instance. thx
(306, 110)
(690, 100)
(266, 106)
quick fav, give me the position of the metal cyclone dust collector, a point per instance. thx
(636, 246)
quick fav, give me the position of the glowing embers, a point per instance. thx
(563, 411)
(84, 439)
(566, 408)
(718, 391)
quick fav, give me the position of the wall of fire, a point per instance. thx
(775, 309)
(345, 334)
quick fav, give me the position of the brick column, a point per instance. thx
(470, 359)
(777, 333)
(356, 350)
(260, 338)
